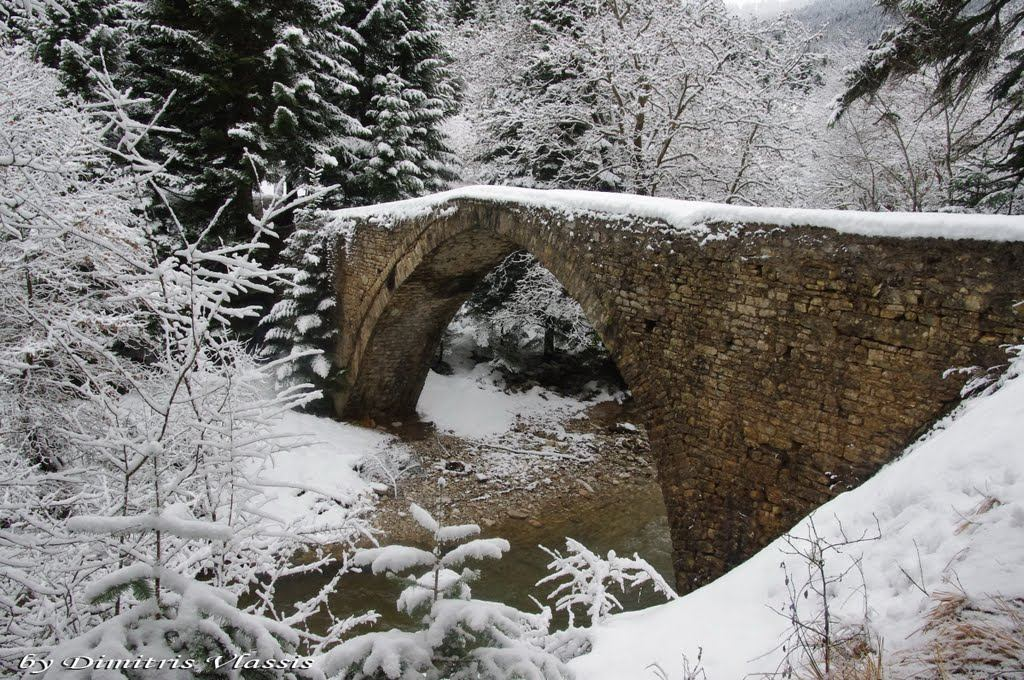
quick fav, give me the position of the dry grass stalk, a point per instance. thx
(856, 656)
(986, 504)
(970, 638)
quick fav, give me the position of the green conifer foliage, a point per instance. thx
(257, 83)
(302, 319)
(967, 42)
(407, 91)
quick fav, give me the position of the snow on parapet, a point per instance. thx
(692, 217)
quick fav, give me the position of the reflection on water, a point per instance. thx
(627, 522)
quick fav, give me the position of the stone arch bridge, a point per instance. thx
(778, 357)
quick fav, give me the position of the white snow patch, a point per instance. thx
(691, 217)
(919, 501)
(470, 404)
(393, 558)
(477, 549)
(319, 455)
(174, 520)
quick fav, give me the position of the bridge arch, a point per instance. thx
(425, 286)
(774, 365)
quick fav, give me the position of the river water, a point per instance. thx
(628, 521)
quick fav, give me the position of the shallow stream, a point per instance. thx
(627, 521)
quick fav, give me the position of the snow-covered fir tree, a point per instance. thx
(301, 323)
(81, 37)
(252, 84)
(407, 90)
(260, 83)
(315, 123)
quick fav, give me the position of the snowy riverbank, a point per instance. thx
(949, 514)
(951, 518)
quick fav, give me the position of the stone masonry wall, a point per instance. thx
(775, 368)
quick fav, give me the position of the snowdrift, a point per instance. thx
(950, 513)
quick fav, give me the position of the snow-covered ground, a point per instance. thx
(471, 404)
(932, 508)
(322, 454)
(512, 437)
(925, 506)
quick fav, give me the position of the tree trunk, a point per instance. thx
(549, 341)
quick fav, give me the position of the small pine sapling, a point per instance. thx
(460, 638)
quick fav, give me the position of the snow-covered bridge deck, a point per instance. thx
(779, 356)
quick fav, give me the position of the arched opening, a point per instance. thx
(572, 462)
(418, 295)
(397, 357)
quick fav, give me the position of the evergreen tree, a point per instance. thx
(406, 92)
(554, 16)
(261, 89)
(967, 43)
(316, 122)
(460, 637)
(462, 11)
(81, 37)
(302, 319)
(257, 83)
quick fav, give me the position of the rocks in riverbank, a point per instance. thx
(530, 474)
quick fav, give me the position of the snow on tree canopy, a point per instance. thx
(456, 532)
(424, 518)
(394, 654)
(422, 591)
(479, 549)
(461, 638)
(167, 522)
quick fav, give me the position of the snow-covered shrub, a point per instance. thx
(589, 578)
(386, 466)
(461, 638)
(685, 100)
(68, 241)
(134, 420)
